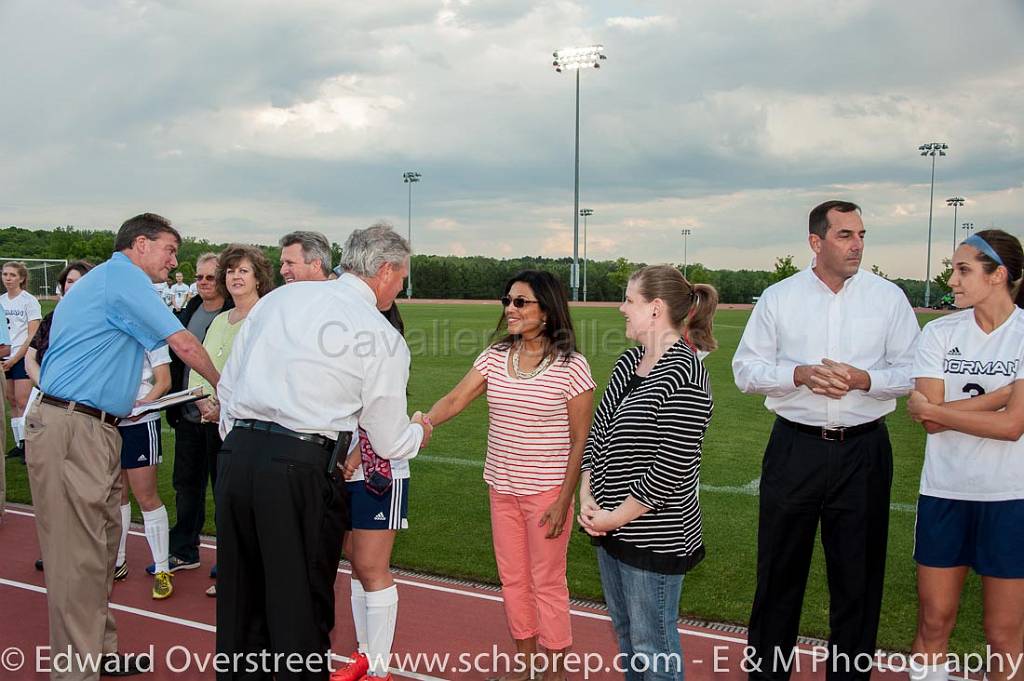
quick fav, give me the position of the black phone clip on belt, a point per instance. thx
(341, 446)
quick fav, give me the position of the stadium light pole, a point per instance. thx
(968, 227)
(410, 178)
(575, 59)
(585, 212)
(932, 149)
(956, 202)
(685, 233)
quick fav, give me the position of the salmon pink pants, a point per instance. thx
(532, 567)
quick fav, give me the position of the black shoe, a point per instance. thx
(39, 565)
(121, 664)
(16, 452)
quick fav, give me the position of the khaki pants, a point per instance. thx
(74, 469)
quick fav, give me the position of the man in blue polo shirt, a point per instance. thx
(89, 379)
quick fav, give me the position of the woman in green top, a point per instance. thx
(245, 274)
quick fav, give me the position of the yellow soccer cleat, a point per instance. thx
(163, 585)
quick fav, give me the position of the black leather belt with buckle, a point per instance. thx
(277, 429)
(834, 434)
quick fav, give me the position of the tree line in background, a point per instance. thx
(446, 276)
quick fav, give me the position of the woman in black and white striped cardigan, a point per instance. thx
(639, 490)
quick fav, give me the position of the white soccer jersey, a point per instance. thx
(956, 350)
(164, 291)
(162, 355)
(20, 310)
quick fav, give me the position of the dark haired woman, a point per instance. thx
(969, 395)
(539, 399)
(641, 470)
(244, 274)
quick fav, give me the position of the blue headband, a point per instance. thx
(977, 242)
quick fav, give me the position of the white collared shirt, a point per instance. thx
(318, 357)
(868, 324)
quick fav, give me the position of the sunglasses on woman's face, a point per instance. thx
(515, 302)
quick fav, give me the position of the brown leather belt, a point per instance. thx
(109, 419)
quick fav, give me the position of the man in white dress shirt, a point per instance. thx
(832, 348)
(313, 362)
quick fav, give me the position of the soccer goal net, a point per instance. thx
(42, 275)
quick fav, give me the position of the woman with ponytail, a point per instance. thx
(697, 331)
(641, 465)
(969, 380)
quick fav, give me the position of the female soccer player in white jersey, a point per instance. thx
(23, 316)
(969, 374)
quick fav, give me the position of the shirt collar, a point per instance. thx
(359, 286)
(852, 281)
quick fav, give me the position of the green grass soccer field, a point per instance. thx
(449, 527)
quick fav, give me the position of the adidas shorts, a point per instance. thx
(140, 445)
(987, 536)
(372, 512)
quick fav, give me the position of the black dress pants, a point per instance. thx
(195, 460)
(280, 524)
(845, 486)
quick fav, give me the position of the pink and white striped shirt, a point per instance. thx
(528, 438)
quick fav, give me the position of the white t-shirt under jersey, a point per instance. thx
(956, 350)
(161, 355)
(20, 310)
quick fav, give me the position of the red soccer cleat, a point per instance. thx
(354, 670)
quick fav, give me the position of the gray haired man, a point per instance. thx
(305, 256)
(312, 363)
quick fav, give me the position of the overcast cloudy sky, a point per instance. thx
(240, 120)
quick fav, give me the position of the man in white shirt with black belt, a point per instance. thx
(832, 348)
(314, 361)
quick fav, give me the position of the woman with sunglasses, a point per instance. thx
(969, 396)
(539, 398)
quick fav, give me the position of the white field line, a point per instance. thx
(750, 489)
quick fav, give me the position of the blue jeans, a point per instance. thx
(644, 607)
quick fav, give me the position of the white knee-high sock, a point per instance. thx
(158, 535)
(381, 618)
(359, 613)
(126, 521)
(930, 672)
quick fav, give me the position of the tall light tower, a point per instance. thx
(968, 228)
(586, 213)
(956, 202)
(932, 149)
(410, 178)
(685, 233)
(577, 58)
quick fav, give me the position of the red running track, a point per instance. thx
(445, 630)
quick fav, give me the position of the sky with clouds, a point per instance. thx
(243, 119)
